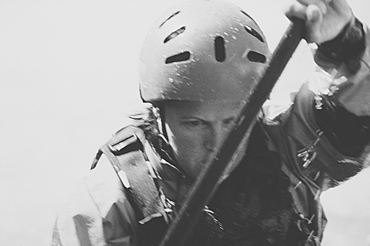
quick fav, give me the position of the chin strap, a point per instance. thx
(161, 144)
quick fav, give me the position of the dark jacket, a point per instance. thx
(271, 198)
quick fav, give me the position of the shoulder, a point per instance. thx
(99, 208)
(99, 194)
(98, 211)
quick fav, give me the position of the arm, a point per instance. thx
(98, 214)
(343, 110)
(328, 132)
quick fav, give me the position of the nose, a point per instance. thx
(213, 136)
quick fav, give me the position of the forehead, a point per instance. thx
(207, 110)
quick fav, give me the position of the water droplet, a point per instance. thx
(171, 80)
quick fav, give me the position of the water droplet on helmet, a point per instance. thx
(171, 80)
(235, 30)
(233, 37)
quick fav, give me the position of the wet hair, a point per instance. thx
(147, 120)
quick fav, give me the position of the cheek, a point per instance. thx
(190, 155)
(187, 147)
(185, 144)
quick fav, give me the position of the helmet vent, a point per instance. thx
(174, 34)
(256, 57)
(220, 51)
(176, 13)
(184, 56)
(254, 33)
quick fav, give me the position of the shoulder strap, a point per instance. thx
(125, 152)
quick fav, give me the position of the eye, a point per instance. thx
(228, 121)
(194, 123)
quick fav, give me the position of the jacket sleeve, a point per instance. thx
(98, 213)
(342, 109)
(348, 65)
(327, 112)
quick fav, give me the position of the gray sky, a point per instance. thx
(68, 73)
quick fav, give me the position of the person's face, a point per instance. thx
(195, 129)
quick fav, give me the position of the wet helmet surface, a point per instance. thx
(202, 51)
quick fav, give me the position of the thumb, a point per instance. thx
(314, 16)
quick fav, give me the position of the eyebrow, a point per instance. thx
(190, 118)
(230, 118)
(199, 118)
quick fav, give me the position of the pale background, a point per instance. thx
(68, 73)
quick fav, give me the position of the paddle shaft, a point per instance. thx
(206, 183)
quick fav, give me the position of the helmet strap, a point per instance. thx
(165, 146)
(162, 122)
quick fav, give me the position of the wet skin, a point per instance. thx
(195, 129)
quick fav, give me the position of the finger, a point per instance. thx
(314, 19)
(313, 14)
(309, 2)
(322, 4)
(296, 9)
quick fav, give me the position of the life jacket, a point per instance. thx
(253, 206)
(125, 152)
